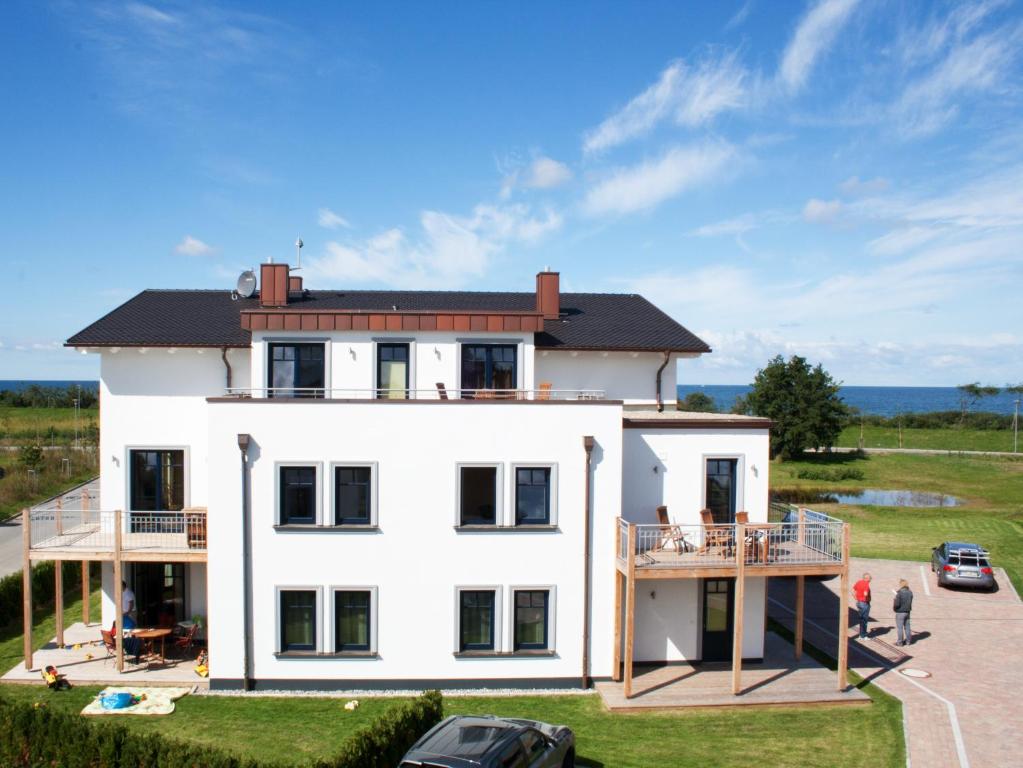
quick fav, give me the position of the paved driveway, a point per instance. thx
(10, 546)
(967, 711)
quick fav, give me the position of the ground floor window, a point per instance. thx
(531, 619)
(352, 620)
(298, 619)
(476, 620)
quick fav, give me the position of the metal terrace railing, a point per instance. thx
(96, 530)
(804, 538)
(437, 393)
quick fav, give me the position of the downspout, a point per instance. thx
(588, 447)
(227, 365)
(243, 447)
(660, 402)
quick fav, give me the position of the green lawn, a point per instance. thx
(991, 490)
(18, 489)
(45, 426)
(947, 439)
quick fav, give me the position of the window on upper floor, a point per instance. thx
(477, 495)
(532, 495)
(352, 617)
(298, 620)
(531, 619)
(392, 371)
(296, 370)
(720, 490)
(353, 492)
(157, 482)
(476, 620)
(488, 367)
(297, 489)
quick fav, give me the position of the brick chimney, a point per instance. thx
(294, 284)
(273, 285)
(548, 295)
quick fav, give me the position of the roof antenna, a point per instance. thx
(298, 251)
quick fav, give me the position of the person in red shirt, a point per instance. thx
(861, 594)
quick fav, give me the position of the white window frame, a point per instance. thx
(552, 613)
(513, 489)
(264, 384)
(318, 635)
(408, 340)
(374, 486)
(186, 465)
(498, 591)
(374, 617)
(318, 466)
(499, 492)
(740, 478)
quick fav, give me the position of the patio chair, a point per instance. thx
(545, 391)
(715, 535)
(183, 644)
(670, 536)
(442, 391)
(109, 644)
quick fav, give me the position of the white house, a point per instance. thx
(392, 489)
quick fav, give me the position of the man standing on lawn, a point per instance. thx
(861, 593)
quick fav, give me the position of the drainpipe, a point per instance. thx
(227, 365)
(660, 403)
(243, 447)
(588, 447)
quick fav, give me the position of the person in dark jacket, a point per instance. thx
(903, 607)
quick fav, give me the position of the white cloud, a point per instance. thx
(447, 252)
(149, 14)
(689, 96)
(855, 187)
(546, 172)
(815, 33)
(983, 64)
(822, 211)
(902, 240)
(740, 15)
(327, 219)
(740, 225)
(652, 182)
(193, 246)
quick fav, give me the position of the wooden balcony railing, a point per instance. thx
(100, 531)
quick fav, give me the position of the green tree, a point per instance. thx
(802, 401)
(970, 395)
(697, 401)
(31, 457)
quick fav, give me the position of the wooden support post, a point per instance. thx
(118, 591)
(26, 585)
(616, 669)
(802, 526)
(630, 609)
(740, 590)
(58, 600)
(798, 641)
(86, 612)
(843, 614)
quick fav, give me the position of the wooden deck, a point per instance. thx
(778, 680)
(89, 542)
(782, 558)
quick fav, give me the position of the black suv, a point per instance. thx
(492, 742)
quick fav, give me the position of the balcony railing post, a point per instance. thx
(118, 591)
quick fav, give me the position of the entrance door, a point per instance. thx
(159, 593)
(721, 489)
(718, 612)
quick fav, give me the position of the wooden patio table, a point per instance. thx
(150, 636)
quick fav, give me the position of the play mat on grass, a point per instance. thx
(157, 701)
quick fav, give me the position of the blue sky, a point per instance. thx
(839, 179)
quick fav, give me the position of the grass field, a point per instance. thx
(18, 489)
(947, 439)
(46, 426)
(990, 488)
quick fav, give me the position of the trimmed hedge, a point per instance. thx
(42, 589)
(385, 742)
(33, 738)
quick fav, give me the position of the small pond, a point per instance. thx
(865, 496)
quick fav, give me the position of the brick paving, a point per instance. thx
(968, 641)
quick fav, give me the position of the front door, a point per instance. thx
(720, 491)
(718, 596)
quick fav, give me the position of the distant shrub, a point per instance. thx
(831, 475)
(42, 588)
(699, 402)
(31, 457)
(981, 420)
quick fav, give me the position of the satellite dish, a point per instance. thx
(246, 284)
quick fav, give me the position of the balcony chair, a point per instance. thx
(671, 537)
(716, 535)
(544, 392)
(442, 391)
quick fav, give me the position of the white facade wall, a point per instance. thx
(627, 376)
(352, 361)
(417, 558)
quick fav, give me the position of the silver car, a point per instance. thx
(492, 742)
(963, 565)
